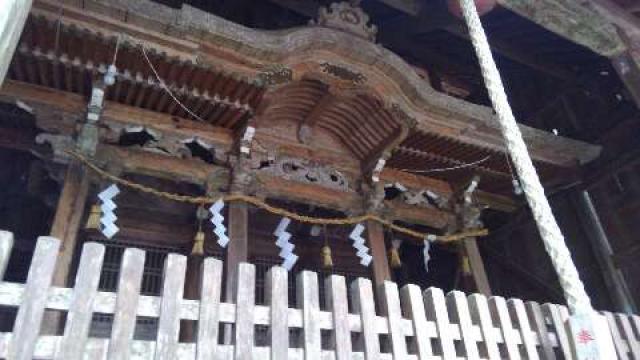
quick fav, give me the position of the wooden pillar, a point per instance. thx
(66, 224)
(12, 19)
(380, 263)
(238, 248)
(478, 272)
(237, 252)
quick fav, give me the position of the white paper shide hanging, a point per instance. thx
(218, 223)
(286, 247)
(359, 244)
(107, 208)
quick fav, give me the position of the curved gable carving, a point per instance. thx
(352, 115)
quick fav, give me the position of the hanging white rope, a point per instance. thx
(552, 237)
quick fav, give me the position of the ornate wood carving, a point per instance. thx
(304, 171)
(275, 74)
(348, 18)
(343, 73)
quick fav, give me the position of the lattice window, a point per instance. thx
(146, 328)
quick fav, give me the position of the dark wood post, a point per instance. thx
(380, 263)
(238, 248)
(66, 224)
(478, 272)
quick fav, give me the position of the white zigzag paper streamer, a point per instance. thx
(107, 208)
(427, 247)
(286, 252)
(218, 223)
(427, 257)
(358, 243)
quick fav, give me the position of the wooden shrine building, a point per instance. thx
(327, 111)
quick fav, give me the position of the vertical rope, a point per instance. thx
(577, 299)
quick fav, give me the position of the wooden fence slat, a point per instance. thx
(635, 321)
(429, 317)
(459, 311)
(557, 317)
(277, 296)
(540, 327)
(207, 342)
(336, 294)
(6, 244)
(124, 320)
(362, 300)
(518, 312)
(500, 314)
(480, 314)
(172, 293)
(391, 308)
(621, 349)
(27, 324)
(632, 340)
(436, 310)
(309, 302)
(76, 329)
(245, 303)
(413, 306)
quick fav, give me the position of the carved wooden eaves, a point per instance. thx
(341, 57)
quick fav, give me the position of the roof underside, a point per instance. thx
(69, 58)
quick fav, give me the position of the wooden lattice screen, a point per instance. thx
(409, 324)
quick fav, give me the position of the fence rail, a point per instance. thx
(408, 324)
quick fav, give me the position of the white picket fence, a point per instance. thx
(415, 324)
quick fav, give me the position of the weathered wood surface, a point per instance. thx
(209, 309)
(78, 322)
(124, 320)
(27, 324)
(417, 325)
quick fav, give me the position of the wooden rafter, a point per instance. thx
(305, 130)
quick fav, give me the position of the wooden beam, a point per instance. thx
(194, 171)
(116, 114)
(279, 188)
(572, 20)
(543, 146)
(412, 214)
(616, 14)
(389, 176)
(307, 125)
